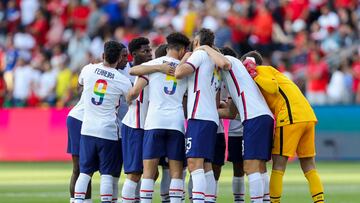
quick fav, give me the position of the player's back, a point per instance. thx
(201, 92)
(288, 104)
(166, 94)
(103, 87)
(244, 91)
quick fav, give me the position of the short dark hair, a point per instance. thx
(161, 51)
(256, 55)
(112, 50)
(177, 40)
(228, 51)
(207, 37)
(136, 44)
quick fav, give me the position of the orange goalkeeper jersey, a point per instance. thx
(284, 98)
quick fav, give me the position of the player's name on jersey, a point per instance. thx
(104, 73)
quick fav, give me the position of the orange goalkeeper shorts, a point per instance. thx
(297, 137)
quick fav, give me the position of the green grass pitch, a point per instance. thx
(48, 182)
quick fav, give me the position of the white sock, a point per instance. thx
(216, 187)
(199, 186)
(165, 185)
(190, 187)
(210, 192)
(266, 181)
(106, 188)
(128, 191)
(72, 200)
(88, 201)
(238, 186)
(256, 187)
(146, 190)
(81, 187)
(176, 190)
(184, 193)
(137, 192)
(115, 190)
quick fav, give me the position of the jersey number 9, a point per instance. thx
(99, 91)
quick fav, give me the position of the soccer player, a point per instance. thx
(258, 125)
(100, 148)
(295, 126)
(164, 123)
(235, 135)
(203, 118)
(133, 122)
(74, 123)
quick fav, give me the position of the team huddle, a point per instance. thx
(173, 119)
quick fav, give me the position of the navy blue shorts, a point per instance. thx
(235, 149)
(100, 154)
(220, 147)
(258, 135)
(201, 139)
(74, 133)
(164, 143)
(132, 144)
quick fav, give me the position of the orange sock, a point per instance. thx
(276, 182)
(315, 185)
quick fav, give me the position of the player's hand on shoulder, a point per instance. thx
(167, 69)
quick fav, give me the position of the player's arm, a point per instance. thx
(220, 60)
(267, 82)
(148, 69)
(135, 91)
(184, 68)
(185, 105)
(229, 112)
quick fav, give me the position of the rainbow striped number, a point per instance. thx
(171, 84)
(99, 90)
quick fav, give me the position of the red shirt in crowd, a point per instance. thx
(2, 91)
(356, 81)
(239, 27)
(262, 26)
(318, 74)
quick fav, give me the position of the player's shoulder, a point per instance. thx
(154, 61)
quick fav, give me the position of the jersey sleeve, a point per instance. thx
(266, 80)
(127, 86)
(81, 76)
(196, 59)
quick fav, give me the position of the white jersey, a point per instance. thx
(78, 110)
(244, 91)
(135, 116)
(103, 87)
(123, 107)
(223, 97)
(236, 128)
(165, 98)
(201, 92)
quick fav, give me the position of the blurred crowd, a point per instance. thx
(44, 43)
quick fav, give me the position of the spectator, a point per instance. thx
(356, 75)
(337, 91)
(40, 27)
(12, 16)
(223, 34)
(77, 49)
(63, 84)
(2, 89)
(97, 19)
(46, 85)
(28, 10)
(23, 79)
(318, 75)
